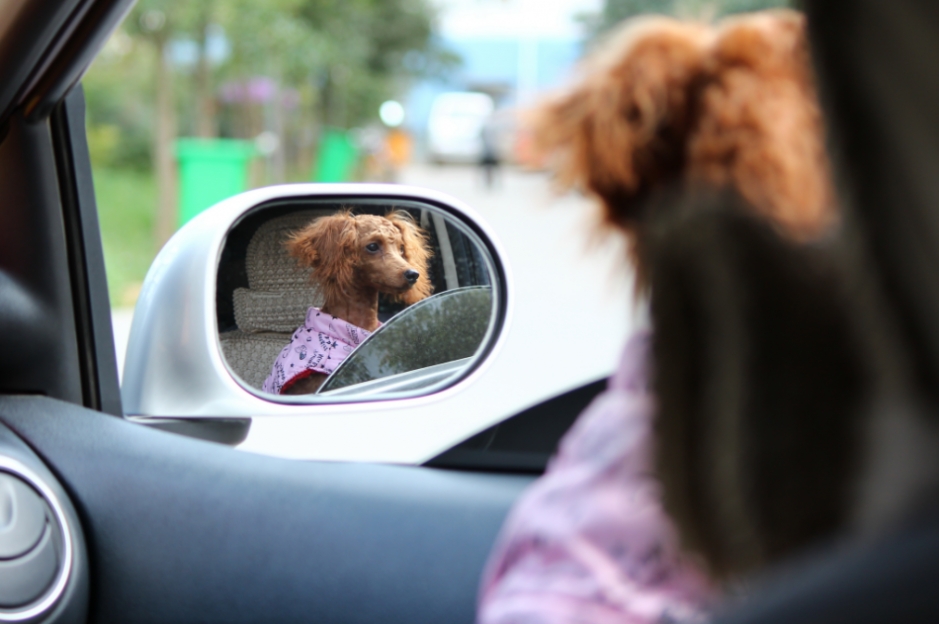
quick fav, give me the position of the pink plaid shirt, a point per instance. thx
(589, 541)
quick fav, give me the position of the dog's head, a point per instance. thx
(666, 102)
(348, 253)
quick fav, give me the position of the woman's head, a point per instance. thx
(666, 103)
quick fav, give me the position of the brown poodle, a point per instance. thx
(668, 103)
(354, 258)
(722, 123)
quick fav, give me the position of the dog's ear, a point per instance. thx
(621, 131)
(328, 246)
(417, 252)
(759, 127)
(762, 378)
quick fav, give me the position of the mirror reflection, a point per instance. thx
(352, 299)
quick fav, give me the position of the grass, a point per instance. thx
(126, 210)
(126, 207)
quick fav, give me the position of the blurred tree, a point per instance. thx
(161, 24)
(331, 63)
(268, 74)
(371, 45)
(205, 124)
(119, 94)
(237, 68)
(157, 22)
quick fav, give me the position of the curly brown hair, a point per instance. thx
(666, 103)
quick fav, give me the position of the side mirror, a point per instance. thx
(227, 316)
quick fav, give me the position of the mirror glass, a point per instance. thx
(322, 301)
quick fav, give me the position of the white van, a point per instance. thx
(454, 128)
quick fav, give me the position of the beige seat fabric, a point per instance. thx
(275, 303)
(251, 355)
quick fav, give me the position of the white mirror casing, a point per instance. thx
(175, 367)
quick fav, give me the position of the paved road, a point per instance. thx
(569, 279)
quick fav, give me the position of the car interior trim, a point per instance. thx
(84, 33)
(228, 431)
(76, 263)
(86, 258)
(33, 254)
(14, 467)
(181, 528)
(525, 442)
(30, 30)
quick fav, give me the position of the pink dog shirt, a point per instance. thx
(318, 346)
(589, 541)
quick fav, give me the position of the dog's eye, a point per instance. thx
(402, 250)
(373, 247)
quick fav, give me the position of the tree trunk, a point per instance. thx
(164, 134)
(279, 157)
(205, 101)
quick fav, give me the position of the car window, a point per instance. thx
(191, 103)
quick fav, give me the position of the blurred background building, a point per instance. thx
(510, 50)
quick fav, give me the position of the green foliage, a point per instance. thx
(285, 47)
(126, 205)
(119, 97)
(347, 55)
(370, 48)
(337, 60)
(342, 58)
(614, 11)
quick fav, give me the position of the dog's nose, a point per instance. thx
(411, 275)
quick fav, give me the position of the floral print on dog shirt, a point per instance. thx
(318, 346)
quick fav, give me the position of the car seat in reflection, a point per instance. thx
(353, 259)
(273, 302)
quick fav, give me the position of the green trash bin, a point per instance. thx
(210, 170)
(336, 158)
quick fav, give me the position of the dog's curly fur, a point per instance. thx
(668, 102)
(354, 258)
(756, 364)
(334, 248)
(761, 375)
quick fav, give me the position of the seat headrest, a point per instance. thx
(279, 290)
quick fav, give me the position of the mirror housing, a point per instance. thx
(175, 366)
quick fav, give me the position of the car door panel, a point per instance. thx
(181, 530)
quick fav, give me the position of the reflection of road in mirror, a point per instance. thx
(301, 285)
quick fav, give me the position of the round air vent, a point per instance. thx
(35, 545)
